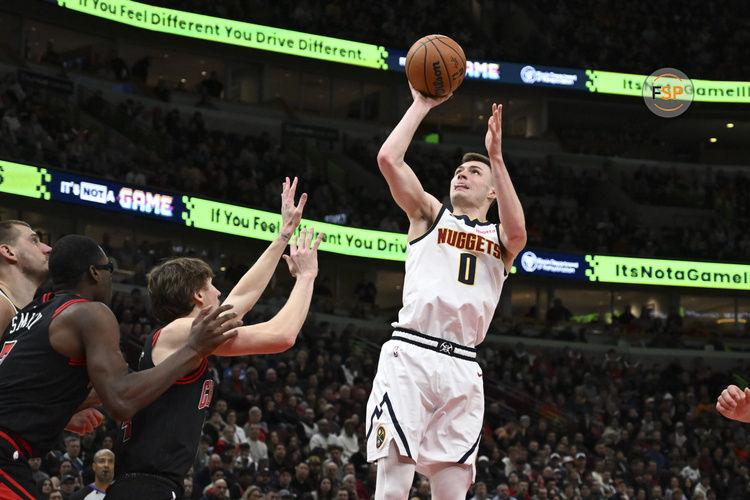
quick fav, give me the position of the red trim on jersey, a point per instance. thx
(195, 375)
(156, 336)
(26, 448)
(62, 307)
(13, 482)
(77, 362)
(47, 296)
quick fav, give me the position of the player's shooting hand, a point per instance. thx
(734, 403)
(211, 328)
(85, 421)
(303, 254)
(493, 140)
(430, 102)
(291, 215)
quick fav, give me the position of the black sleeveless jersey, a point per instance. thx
(40, 389)
(163, 437)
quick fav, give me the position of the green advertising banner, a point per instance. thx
(251, 223)
(634, 271)
(216, 29)
(23, 180)
(40, 183)
(606, 82)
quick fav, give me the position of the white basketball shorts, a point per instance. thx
(429, 399)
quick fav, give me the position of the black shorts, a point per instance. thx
(145, 486)
(16, 482)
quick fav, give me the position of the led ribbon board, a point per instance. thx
(255, 36)
(627, 270)
(216, 29)
(627, 84)
(23, 180)
(45, 184)
(251, 223)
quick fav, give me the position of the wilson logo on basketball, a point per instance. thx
(437, 83)
(435, 65)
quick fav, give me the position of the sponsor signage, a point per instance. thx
(508, 72)
(45, 184)
(636, 271)
(258, 224)
(255, 36)
(114, 196)
(217, 29)
(555, 265)
(628, 84)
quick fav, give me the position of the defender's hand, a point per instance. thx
(85, 421)
(303, 259)
(291, 214)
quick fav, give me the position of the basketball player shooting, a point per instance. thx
(426, 407)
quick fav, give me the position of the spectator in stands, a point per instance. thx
(323, 438)
(558, 312)
(72, 452)
(258, 448)
(211, 86)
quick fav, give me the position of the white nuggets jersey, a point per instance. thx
(454, 277)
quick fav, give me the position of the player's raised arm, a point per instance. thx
(513, 233)
(248, 290)
(405, 187)
(124, 393)
(280, 332)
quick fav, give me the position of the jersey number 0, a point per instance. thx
(467, 268)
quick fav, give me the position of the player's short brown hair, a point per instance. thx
(476, 157)
(171, 286)
(8, 232)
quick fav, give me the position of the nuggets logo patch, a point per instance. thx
(380, 437)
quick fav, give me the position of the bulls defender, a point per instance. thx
(159, 444)
(56, 347)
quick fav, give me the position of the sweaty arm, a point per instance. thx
(93, 326)
(513, 230)
(406, 189)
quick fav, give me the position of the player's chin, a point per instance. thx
(459, 195)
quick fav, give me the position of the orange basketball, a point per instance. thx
(435, 65)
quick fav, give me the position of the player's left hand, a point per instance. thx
(291, 215)
(85, 421)
(493, 140)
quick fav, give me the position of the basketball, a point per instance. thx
(435, 65)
